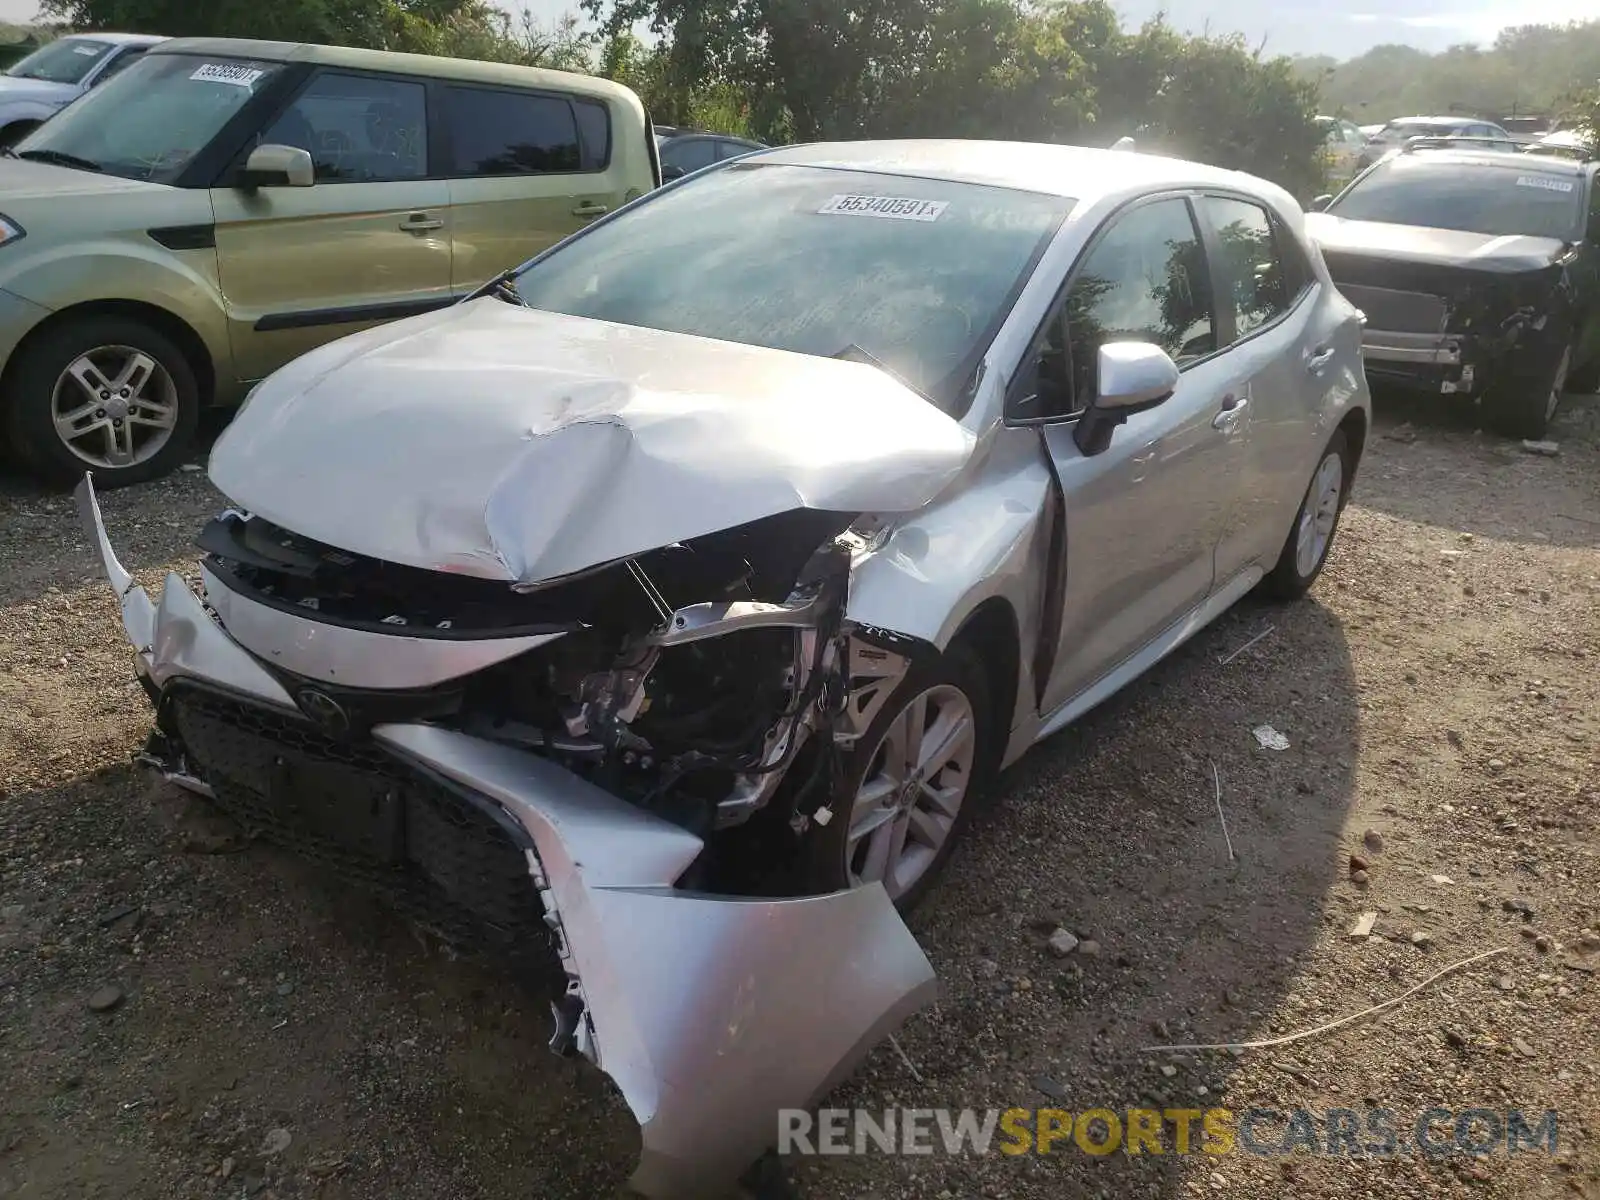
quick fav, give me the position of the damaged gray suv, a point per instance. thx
(658, 611)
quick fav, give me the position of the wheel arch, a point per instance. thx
(1354, 428)
(162, 320)
(994, 636)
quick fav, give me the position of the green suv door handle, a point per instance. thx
(591, 210)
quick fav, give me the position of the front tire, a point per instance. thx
(107, 394)
(15, 132)
(1523, 405)
(909, 786)
(1305, 551)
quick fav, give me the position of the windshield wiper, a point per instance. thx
(503, 287)
(855, 353)
(61, 158)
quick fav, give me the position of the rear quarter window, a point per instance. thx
(495, 132)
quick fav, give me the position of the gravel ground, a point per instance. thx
(269, 1032)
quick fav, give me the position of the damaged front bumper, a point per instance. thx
(1430, 362)
(710, 1013)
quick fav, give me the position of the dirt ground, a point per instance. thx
(272, 1033)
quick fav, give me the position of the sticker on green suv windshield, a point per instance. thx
(1548, 182)
(239, 76)
(898, 208)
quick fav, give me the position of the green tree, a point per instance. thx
(388, 24)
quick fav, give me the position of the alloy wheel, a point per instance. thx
(917, 778)
(114, 407)
(1319, 514)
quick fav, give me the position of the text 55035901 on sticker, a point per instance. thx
(895, 208)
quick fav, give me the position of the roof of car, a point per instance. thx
(429, 65)
(122, 39)
(1079, 172)
(1457, 120)
(1547, 163)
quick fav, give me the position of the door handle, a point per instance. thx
(421, 223)
(1233, 407)
(1319, 359)
(594, 209)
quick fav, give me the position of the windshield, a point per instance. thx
(66, 61)
(1400, 130)
(152, 119)
(916, 272)
(1521, 198)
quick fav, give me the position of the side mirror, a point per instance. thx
(279, 166)
(1133, 376)
(672, 172)
(1321, 202)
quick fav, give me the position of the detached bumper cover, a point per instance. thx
(710, 1013)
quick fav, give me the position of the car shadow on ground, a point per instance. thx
(1548, 499)
(1111, 830)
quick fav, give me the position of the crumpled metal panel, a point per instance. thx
(639, 438)
(711, 1013)
(175, 636)
(358, 658)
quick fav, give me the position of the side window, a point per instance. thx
(732, 149)
(689, 154)
(594, 124)
(119, 64)
(511, 133)
(1145, 280)
(358, 128)
(1249, 261)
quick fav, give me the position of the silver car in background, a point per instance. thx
(35, 88)
(675, 596)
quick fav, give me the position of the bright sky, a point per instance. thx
(1342, 28)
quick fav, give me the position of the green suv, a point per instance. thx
(222, 206)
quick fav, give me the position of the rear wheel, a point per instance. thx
(16, 131)
(1305, 551)
(1523, 405)
(107, 394)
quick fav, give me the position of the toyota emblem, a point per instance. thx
(324, 710)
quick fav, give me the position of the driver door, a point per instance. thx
(1144, 517)
(369, 242)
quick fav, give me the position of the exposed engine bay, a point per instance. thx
(688, 681)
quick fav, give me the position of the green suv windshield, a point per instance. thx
(150, 121)
(66, 61)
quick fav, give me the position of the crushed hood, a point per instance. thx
(1437, 247)
(509, 443)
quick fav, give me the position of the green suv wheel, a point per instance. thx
(106, 394)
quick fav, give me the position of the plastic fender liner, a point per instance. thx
(711, 1013)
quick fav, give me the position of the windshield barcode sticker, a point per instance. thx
(87, 51)
(1547, 182)
(896, 208)
(228, 73)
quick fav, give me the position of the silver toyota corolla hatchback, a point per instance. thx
(660, 610)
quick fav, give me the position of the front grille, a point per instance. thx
(434, 855)
(1396, 311)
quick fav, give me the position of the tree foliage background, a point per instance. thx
(1536, 69)
(1049, 70)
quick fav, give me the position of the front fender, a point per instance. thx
(27, 110)
(183, 284)
(982, 541)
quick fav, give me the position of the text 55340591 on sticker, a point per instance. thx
(896, 208)
(1548, 182)
(233, 73)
